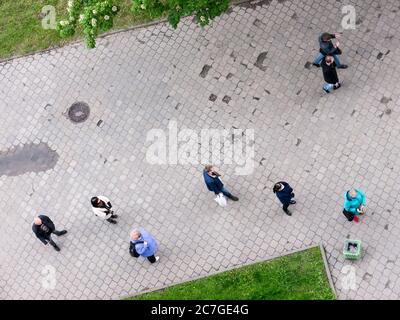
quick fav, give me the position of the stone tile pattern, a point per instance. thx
(138, 80)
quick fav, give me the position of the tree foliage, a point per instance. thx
(96, 16)
(203, 10)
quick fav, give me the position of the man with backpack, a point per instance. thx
(142, 243)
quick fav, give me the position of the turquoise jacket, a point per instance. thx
(352, 204)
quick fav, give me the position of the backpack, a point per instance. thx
(132, 246)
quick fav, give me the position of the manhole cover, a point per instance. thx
(79, 112)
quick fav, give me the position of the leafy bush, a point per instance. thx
(203, 10)
(96, 16)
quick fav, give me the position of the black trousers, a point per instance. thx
(286, 205)
(51, 241)
(57, 233)
(134, 253)
(348, 215)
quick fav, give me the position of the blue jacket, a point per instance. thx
(213, 184)
(352, 204)
(150, 249)
(286, 194)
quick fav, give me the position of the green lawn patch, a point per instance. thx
(298, 276)
(21, 29)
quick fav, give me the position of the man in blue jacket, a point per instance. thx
(354, 204)
(327, 48)
(143, 244)
(43, 227)
(284, 193)
(214, 183)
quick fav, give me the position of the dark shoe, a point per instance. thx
(288, 212)
(337, 87)
(62, 232)
(57, 248)
(233, 198)
(114, 216)
(292, 201)
(316, 65)
(112, 221)
(343, 66)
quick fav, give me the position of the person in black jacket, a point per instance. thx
(43, 227)
(285, 194)
(330, 74)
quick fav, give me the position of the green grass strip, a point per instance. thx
(298, 276)
(21, 29)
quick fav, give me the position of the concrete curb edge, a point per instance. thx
(327, 271)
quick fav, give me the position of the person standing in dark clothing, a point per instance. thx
(43, 227)
(284, 193)
(330, 74)
(327, 48)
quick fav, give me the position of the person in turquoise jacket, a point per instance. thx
(354, 204)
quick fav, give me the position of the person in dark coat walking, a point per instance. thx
(284, 193)
(330, 74)
(214, 183)
(43, 227)
(327, 48)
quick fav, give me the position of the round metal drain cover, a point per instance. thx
(79, 112)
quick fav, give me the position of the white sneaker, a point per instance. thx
(157, 258)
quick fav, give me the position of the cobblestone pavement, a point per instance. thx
(255, 58)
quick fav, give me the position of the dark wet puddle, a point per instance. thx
(27, 158)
